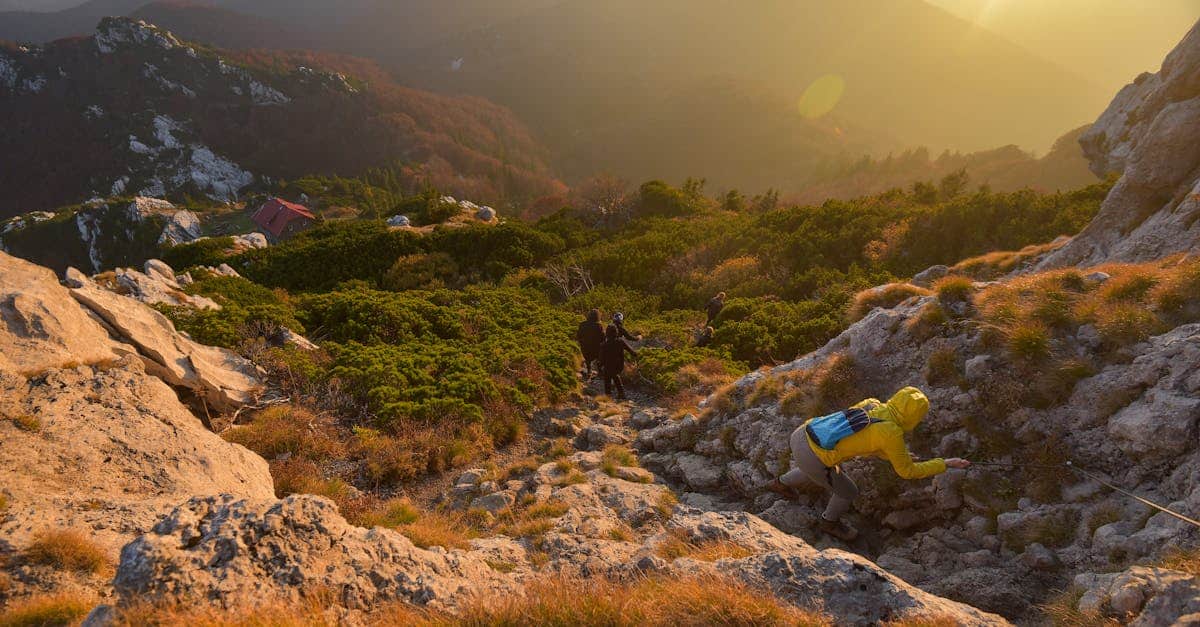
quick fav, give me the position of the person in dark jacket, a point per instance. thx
(714, 307)
(590, 336)
(618, 323)
(612, 361)
(705, 337)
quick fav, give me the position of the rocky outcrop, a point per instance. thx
(1134, 421)
(1150, 135)
(1141, 597)
(158, 285)
(241, 553)
(108, 449)
(217, 376)
(43, 327)
(93, 438)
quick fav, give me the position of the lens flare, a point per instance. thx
(822, 96)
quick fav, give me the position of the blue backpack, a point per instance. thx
(827, 431)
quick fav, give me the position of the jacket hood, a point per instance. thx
(908, 408)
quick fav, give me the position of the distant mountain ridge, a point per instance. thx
(673, 89)
(134, 110)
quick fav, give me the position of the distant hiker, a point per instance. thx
(612, 361)
(714, 307)
(705, 337)
(590, 336)
(869, 429)
(618, 322)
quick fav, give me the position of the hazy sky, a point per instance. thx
(1108, 42)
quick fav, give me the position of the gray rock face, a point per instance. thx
(927, 277)
(1150, 134)
(399, 221)
(244, 553)
(183, 227)
(1141, 596)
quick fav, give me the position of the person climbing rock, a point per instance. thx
(868, 429)
(705, 337)
(618, 322)
(612, 361)
(590, 336)
(714, 307)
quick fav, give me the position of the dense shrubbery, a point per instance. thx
(472, 356)
(205, 252)
(478, 327)
(325, 256)
(248, 311)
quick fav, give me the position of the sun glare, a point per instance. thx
(822, 96)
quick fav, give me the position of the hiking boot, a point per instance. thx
(782, 489)
(838, 529)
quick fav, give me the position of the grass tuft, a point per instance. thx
(954, 289)
(67, 549)
(47, 611)
(886, 296)
(27, 423)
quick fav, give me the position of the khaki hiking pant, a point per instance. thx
(807, 466)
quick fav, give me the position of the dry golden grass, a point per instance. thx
(616, 456)
(954, 288)
(551, 602)
(1138, 301)
(67, 549)
(1187, 561)
(677, 544)
(665, 504)
(886, 296)
(27, 423)
(828, 387)
(997, 264)
(1063, 611)
(290, 430)
(450, 530)
(650, 602)
(934, 620)
(47, 611)
(943, 368)
(393, 513)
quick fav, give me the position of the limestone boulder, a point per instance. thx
(1142, 596)
(218, 376)
(244, 553)
(111, 450)
(43, 326)
(1150, 135)
(853, 590)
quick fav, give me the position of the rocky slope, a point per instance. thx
(91, 383)
(96, 438)
(1003, 537)
(611, 524)
(1149, 135)
(135, 110)
(99, 235)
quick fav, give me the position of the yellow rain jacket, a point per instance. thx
(885, 440)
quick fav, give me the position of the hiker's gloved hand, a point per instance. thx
(955, 462)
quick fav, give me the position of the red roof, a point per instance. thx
(276, 214)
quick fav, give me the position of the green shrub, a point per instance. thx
(206, 252)
(664, 368)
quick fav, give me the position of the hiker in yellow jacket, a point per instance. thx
(879, 432)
